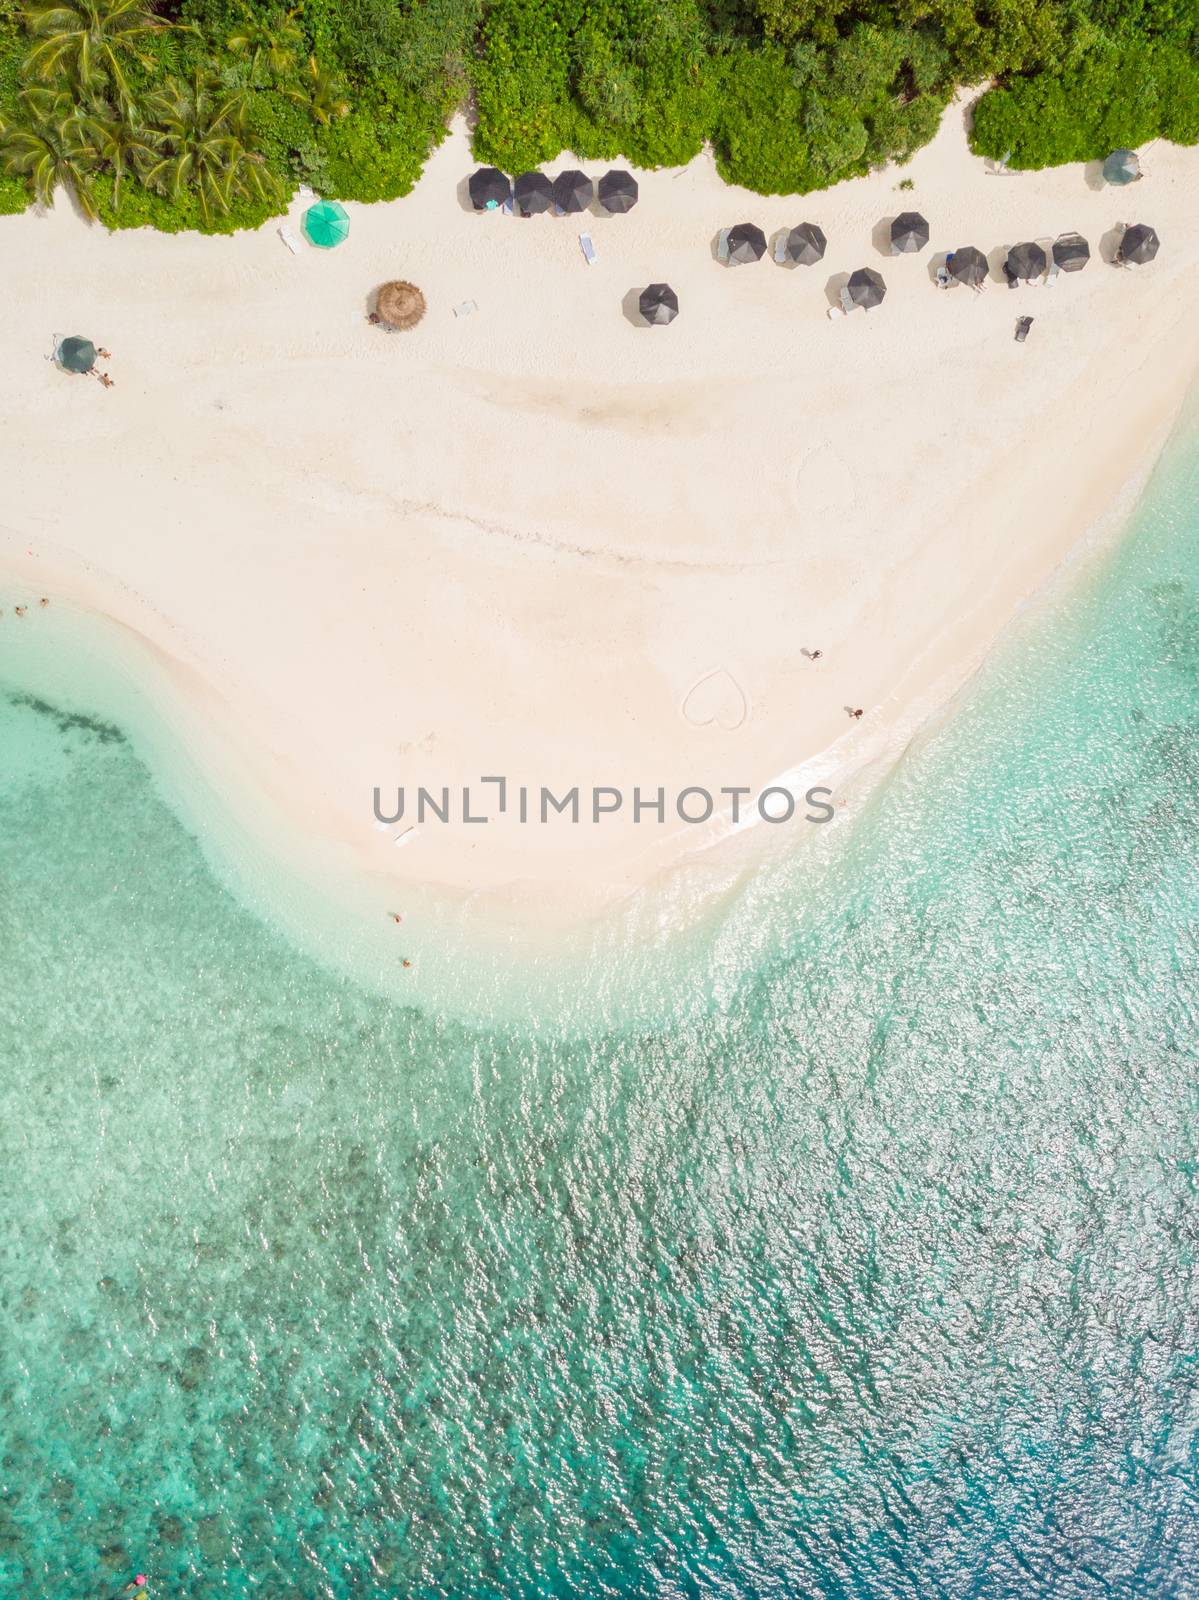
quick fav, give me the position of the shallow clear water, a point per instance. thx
(879, 1280)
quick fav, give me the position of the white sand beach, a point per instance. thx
(544, 542)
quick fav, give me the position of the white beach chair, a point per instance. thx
(833, 313)
(464, 308)
(846, 302)
(588, 248)
(780, 248)
(722, 245)
(942, 277)
(289, 239)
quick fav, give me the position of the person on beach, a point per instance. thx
(18, 611)
(105, 379)
(856, 712)
(105, 355)
(395, 916)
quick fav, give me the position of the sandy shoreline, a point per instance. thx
(539, 541)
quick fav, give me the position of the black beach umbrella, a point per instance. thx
(489, 189)
(76, 354)
(866, 287)
(573, 191)
(1071, 252)
(909, 233)
(659, 304)
(806, 244)
(1027, 260)
(618, 191)
(1122, 166)
(968, 265)
(532, 193)
(746, 243)
(1139, 244)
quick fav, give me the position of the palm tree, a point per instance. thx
(121, 143)
(50, 148)
(87, 40)
(266, 38)
(201, 134)
(321, 94)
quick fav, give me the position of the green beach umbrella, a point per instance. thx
(76, 354)
(326, 223)
(1122, 166)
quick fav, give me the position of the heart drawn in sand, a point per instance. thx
(716, 699)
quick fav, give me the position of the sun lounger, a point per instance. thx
(289, 239)
(1023, 324)
(846, 302)
(588, 248)
(465, 307)
(780, 248)
(942, 277)
(722, 245)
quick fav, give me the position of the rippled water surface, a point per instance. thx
(880, 1281)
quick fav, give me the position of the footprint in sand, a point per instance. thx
(716, 700)
(824, 484)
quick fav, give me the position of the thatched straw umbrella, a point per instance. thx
(400, 305)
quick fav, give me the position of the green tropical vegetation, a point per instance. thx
(208, 113)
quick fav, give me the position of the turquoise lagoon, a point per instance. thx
(872, 1276)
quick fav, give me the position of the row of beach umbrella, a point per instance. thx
(1024, 262)
(1071, 252)
(533, 192)
(804, 244)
